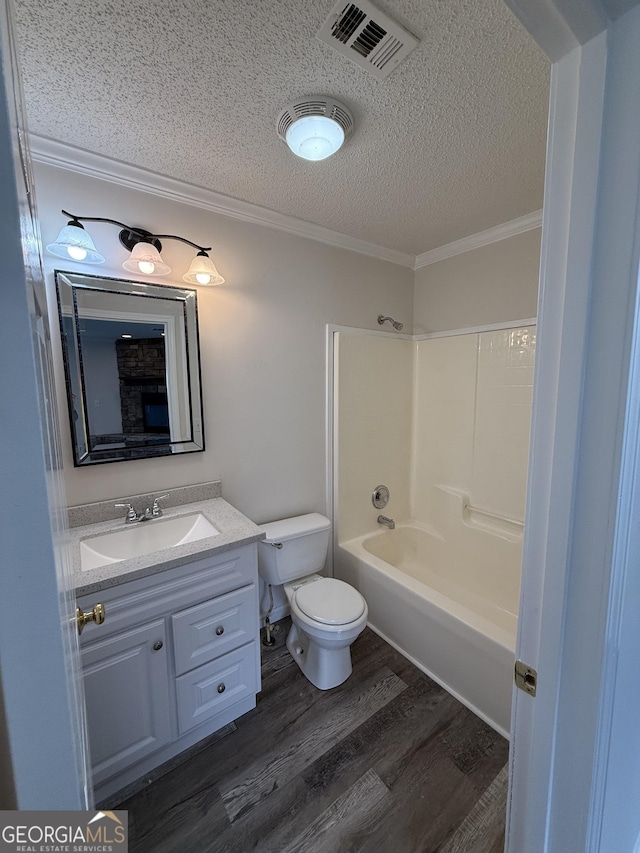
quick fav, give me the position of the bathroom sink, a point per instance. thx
(143, 538)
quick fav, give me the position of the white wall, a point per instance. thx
(374, 378)
(491, 284)
(262, 343)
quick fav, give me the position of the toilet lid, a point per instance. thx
(330, 601)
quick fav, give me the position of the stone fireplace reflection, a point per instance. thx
(143, 389)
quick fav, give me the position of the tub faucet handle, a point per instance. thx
(380, 497)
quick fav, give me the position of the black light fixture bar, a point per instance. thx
(140, 233)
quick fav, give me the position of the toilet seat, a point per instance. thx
(330, 602)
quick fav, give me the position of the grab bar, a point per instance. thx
(466, 507)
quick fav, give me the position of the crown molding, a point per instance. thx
(482, 238)
(74, 159)
(64, 156)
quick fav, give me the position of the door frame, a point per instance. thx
(576, 523)
(43, 741)
(567, 455)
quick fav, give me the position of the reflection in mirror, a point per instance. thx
(132, 368)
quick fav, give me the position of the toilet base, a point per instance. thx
(324, 668)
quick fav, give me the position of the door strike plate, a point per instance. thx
(526, 678)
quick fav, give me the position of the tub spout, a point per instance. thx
(388, 522)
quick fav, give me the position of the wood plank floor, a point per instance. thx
(388, 762)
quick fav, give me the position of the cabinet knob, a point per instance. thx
(221, 688)
(97, 615)
(220, 630)
(157, 645)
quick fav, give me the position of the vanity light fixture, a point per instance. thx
(145, 258)
(202, 270)
(74, 242)
(315, 127)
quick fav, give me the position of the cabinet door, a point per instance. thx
(127, 694)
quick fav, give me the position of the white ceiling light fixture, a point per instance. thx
(315, 127)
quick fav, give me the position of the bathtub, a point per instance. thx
(448, 606)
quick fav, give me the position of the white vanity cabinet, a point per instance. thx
(176, 659)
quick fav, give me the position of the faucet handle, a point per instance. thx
(131, 513)
(156, 510)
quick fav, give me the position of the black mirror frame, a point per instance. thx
(187, 297)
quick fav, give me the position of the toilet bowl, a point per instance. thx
(326, 614)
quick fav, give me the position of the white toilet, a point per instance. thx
(327, 614)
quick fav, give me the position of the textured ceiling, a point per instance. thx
(452, 143)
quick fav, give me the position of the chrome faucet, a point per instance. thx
(388, 522)
(133, 517)
(154, 512)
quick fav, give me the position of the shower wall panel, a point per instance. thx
(373, 428)
(444, 411)
(504, 389)
(471, 426)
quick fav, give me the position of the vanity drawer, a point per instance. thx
(214, 688)
(171, 590)
(214, 627)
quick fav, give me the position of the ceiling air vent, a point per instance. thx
(367, 36)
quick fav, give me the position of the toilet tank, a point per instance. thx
(304, 540)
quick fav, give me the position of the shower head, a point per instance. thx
(396, 325)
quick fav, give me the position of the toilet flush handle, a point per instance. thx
(273, 544)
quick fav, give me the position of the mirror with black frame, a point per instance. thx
(132, 368)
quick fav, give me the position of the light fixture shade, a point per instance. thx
(315, 137)
(75, 243)
(203, 271)
(146, 259)
(314, 127)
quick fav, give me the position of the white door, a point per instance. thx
(578, 531)
(43, 732)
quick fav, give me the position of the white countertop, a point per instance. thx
(234, 529)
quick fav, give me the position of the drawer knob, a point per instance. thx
(157, 645)
(221, 688)
(220, 630)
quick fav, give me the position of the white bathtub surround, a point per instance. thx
(373, 427)
(472, 419)
(457, 626)
(444, 585)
